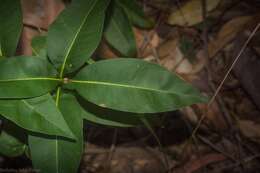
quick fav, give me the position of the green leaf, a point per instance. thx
(10, 26)
(103, 116)
(39, 45)
(135, 13)
(58, 155)
(38, 114)
(134, 85)
(10, 146)
(76, 33)
(24, 77)
(118, 31)
(12, 141)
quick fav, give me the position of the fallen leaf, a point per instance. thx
(196, 164)
(257, 49)
(249, 128)
(191, 13)
(173, 59)
(213, 115)
(104, 51)
(227, 33)
(37, 16)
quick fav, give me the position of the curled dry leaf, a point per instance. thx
(191, 13)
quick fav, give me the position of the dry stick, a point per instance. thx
(147, 37)
(208, 67)
(32, 26)
(235, 61)
(206, 141)
(111, 152)
(219, 101)
(227, 74)
(205, 39)
(224, 79)
(246, 160)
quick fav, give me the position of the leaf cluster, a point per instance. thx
(49, 94)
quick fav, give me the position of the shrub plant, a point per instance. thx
(45, 98)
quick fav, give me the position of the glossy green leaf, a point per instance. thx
(58, 155)
(39, 46)
(12, 140)
(38, 114)
(10, 26)
(76, 33)
(135, 13)
(24, 77)
(118, 31)
(134, 85)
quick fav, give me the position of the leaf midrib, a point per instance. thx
(74, 39)
(58, 93)
(31, 78)
(125, 86)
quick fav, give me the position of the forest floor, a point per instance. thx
(217, 50)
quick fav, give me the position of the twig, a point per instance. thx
(40, 29)
(246, 160)
(219, 101)
(234, 63)
(224, 79)
(147, 36)
(111, 152)
(206, 141)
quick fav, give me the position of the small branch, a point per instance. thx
(111, 152)
(206, 141)
(227, 74)
(234, 63)
(29, 25)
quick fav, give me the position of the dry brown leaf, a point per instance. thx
(249, 128)
(146, 41)
(227, 33)
(257, 49)
(196, 164)
(37, 15)
(214, 115)
(41, 13)
(173, 59)
(104, 51)
(191, 13)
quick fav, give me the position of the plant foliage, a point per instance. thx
(51, 93)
